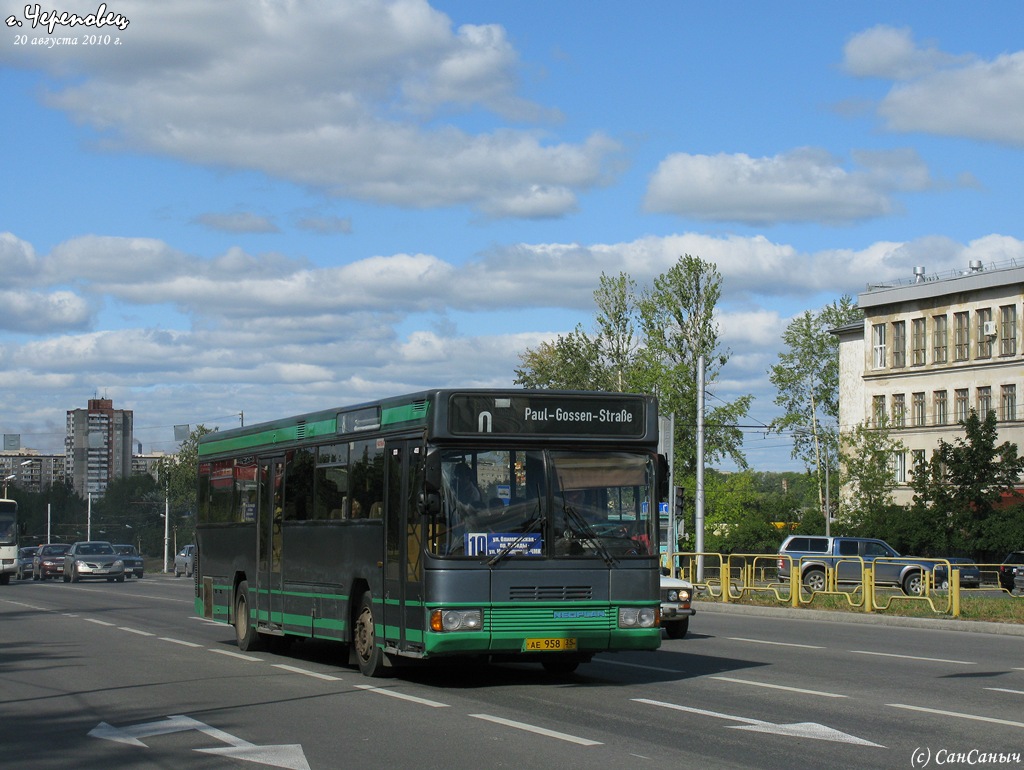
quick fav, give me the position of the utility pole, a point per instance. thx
(699, 514)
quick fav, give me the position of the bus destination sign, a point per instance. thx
(545, 415)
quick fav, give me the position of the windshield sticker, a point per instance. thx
(490, 543)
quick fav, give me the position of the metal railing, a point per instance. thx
(797, 582)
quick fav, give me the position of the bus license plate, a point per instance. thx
(550, 644)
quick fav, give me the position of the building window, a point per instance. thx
(878, 345)
(919, 341)
(899, 410)
(1009, 402)
(940, 337)
(986, 331)
(899, 467)
(941, 405)
(961, 404)
(918, 407)
(917, 462)
(1008, 330)
(899, 344)
(984, 402)
(961, 336)
(878, 411)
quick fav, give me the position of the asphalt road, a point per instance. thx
(98, 675)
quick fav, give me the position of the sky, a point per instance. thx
(210, 210)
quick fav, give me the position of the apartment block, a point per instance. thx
(930, 349)
(98, 446)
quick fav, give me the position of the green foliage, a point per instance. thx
(867, 474)
(807, 382)
(959, 492)
(650, 342)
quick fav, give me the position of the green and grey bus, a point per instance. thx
(497, 524)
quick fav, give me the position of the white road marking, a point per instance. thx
(305, 672)
(537, 730)
(957, 714)
(182, 642)
(777, 644)
(100, 622)
(134, 631)
(233, 654)
(778, 687)
(402, 696)
(795, 730)
(915, 657)
(1003, 689)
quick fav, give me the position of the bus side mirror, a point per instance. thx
(428, 503)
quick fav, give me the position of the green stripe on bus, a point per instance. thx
(273, 435)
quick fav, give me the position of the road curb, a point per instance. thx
(828, 616)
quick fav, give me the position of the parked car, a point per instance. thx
(133, 564)
(185, 561)
(675, 606)
(1018, 579)
(93, 559)
(49, 561)
(970, 573)
(25, 557)
(1012, 560)
(812, 555)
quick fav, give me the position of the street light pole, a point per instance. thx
(167, 521)
(6, 479)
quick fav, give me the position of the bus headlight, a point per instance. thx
(637, 617)
(456, 620)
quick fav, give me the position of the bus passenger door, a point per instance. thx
(403, 552)
(271, 511)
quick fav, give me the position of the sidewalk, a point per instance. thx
(878, 619)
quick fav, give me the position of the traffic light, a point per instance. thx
(678, 505)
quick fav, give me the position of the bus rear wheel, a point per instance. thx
(364, 638)
(246, 635)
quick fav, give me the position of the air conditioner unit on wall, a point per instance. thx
(990, 328)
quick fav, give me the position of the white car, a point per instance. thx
(676, 595)
(184, 562)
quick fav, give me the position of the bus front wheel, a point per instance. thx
(246, 635)
(364, 637)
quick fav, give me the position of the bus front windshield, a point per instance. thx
(499, 504)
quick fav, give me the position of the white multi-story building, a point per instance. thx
(930, 349)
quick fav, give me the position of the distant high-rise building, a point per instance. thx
(98, 446)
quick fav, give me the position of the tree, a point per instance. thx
(677, 317)
(650, 343)
(181, 478)
(867, 476)
(963, 484)
(807, 382)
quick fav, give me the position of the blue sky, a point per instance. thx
(277, 207)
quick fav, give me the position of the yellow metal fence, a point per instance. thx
(797, 582)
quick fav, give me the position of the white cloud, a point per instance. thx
(939, 93)
(887, 52)
(374, 115)
(804, 185)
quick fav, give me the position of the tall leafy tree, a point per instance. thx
(677, 316)
(867, 476)
(649, 341)
(963, 483)
(806, 379)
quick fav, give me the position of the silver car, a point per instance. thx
(184, 562)
(93, 560)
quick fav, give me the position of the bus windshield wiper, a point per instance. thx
(527, 530)
(590, 535)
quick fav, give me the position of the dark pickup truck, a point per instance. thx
(811, 554)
